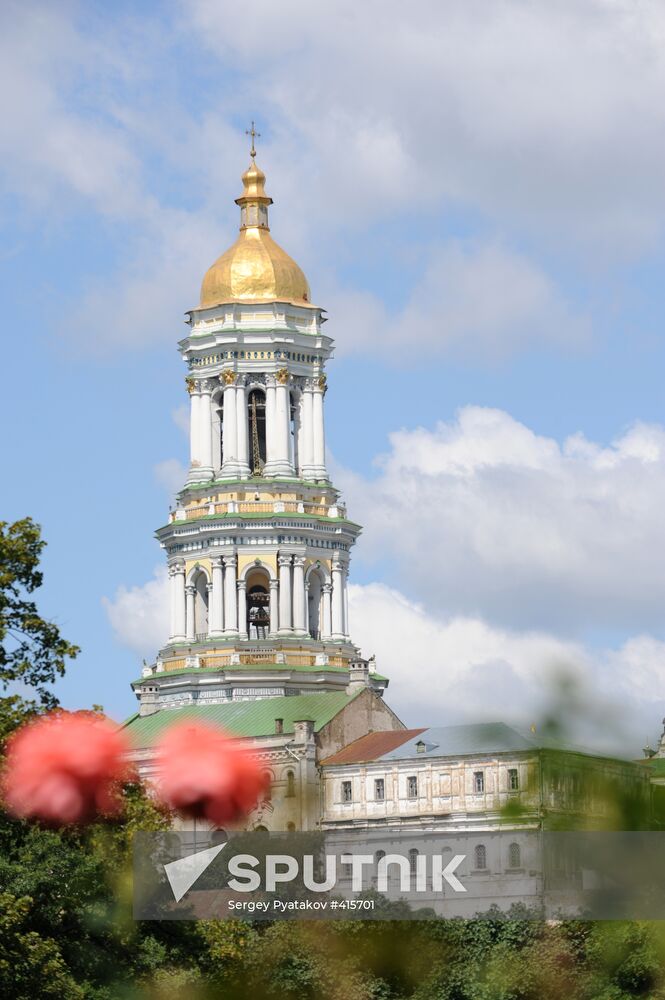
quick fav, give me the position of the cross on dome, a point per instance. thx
(255, 135)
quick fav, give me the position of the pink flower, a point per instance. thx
(204, 774)
(65, 768)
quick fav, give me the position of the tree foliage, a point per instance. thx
(32, 651)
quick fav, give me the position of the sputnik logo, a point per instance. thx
(183, 874)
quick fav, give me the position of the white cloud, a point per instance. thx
(483, 516)
(448, 670)
(444, 671)
(542, 116)
(550, 113)
(471, 299)
(139, 615)
(171, 474)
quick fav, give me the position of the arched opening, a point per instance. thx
(294, 419)
(480, 856)
(201, 606)
(413, 861)
(290, 784)
(291, 827)
(256, 415)
(217, 432)
(514, 856)
(258, 605)
(314, 595)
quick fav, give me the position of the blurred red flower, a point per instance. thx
(65, 768)
(204, 774)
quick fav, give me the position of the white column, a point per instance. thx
(179, 602)
(270, 426)
(209, 596)
(326, 611)
(230, 432)
(274, 606)
(242, 608)
(337, 600)
(190, 591)
(205, 428)
(172, 586)
(285, 618)
(231, 608)
(194, 429)
(318, 431)
(216, 609)
(345, 602)
(281, 433)
(299, 595)
(307, 420)
(241, 421)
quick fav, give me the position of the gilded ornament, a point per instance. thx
(282, 376)
(255, 268)
(229, 377)
(322, 382)
(191, 385)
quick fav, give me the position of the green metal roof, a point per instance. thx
(242, 718)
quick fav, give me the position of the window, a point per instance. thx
(412, 787)
(514, 856)
(347, 791)
(478, 781)
(379, 789)
(258, 614)
(256, 414)
(290, 784)
(480, 855)
(420, 747)
(291, 827)
(267, 795)
(413, 861)
(513, 779)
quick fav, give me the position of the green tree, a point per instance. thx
(32, 651)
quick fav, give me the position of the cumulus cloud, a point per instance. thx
(483, 516)
(478, 299)
(139, 615)
(448, 670)
(539, 117)
(548, 112)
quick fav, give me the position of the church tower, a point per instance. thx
(259, 543)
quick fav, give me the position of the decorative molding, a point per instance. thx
(191, 385)
(282, 376)
(228, 377)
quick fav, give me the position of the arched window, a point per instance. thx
(267, 795)
(258, 612)
(293, 432)
(291, 827)
(256, 415)
(379, 855)
(290, 783)
(314, 593)
(201, 606)
(413, 860)
(480, 855)
(514, 856)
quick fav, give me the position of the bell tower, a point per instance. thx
(259, 544)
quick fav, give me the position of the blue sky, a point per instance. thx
(478, 201)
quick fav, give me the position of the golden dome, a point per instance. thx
(255, 268)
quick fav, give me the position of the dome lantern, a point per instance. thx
(255, 268)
